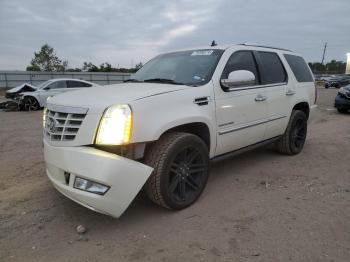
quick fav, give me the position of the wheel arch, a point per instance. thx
(198, 128)
(303, 106)
(29, 95)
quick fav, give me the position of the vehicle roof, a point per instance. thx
(248, 46)
(69, 79)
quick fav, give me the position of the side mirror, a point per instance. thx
(239, 78)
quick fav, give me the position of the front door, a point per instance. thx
(52, 89)
(241, 112)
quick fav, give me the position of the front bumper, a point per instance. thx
(341, 102)
(124, 176)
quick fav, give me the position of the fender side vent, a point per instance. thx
(201, 101)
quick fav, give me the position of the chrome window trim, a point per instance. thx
(256, 58)
(256, 87)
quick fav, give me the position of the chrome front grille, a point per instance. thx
(62, 126)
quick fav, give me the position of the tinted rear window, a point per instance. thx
(57, 84)
(77, 84)
(271, 68)
(300, 68)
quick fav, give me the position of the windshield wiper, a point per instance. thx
(132, 80)
(163, 80)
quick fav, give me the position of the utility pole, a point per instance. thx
(324, 52)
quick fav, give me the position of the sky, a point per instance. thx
(126, 32)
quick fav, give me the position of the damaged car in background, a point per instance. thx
(30, 98)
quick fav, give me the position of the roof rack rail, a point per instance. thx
(264, 46)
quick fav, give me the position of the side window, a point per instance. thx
(299, 67)
(57, 85)
(83, 84)
(271, 68)
(241, 60)
(77, 84)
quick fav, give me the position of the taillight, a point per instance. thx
(315, 93)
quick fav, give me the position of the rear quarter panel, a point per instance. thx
(305, 91)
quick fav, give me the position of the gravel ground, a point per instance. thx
(258, 206)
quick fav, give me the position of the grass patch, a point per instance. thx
(2, 92)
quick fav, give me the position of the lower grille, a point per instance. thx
(61, 126)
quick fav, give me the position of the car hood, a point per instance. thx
(22, 88)
(97, 99)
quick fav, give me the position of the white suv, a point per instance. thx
(159, 130)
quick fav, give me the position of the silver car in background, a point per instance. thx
(31, 98)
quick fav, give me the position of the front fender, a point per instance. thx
(156, 115)
(33, 94)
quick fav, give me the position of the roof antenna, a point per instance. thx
(213, 43)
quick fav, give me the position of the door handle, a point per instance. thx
(260, 98)
(290, 92)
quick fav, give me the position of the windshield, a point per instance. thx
(40, 86)
(194, 67)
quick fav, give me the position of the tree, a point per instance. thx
(317, 67)
(73, 70)
(332, 67)
(47, 60)
(336, 66)
(106, 67)
(138, 66)
(90, 67)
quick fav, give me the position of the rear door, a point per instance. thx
(241, 111)
(278, 91)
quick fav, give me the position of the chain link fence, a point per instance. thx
(9, 79)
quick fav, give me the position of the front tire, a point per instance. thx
(342, 110)
(293, 140)
(30, 104)
(181, 169)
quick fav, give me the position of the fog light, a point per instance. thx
(89, 186)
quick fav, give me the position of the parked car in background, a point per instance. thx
(160, 129)
(31, 98)
(342, 100)
(322, 77)
(338, 81)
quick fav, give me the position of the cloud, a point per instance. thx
(125, 32)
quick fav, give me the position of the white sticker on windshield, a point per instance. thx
(202, 52)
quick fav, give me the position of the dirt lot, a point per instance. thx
(258, 206)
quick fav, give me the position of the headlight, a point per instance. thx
(44, 117)
(115, 126)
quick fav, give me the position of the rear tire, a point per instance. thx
(181, 169)
(342, 110)
(293, 140)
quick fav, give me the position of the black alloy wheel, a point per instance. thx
(185, 177)
(30, 104)
(181, 168)
(293, 139)
(299, 133)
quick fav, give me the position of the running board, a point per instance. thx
(244, 149)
